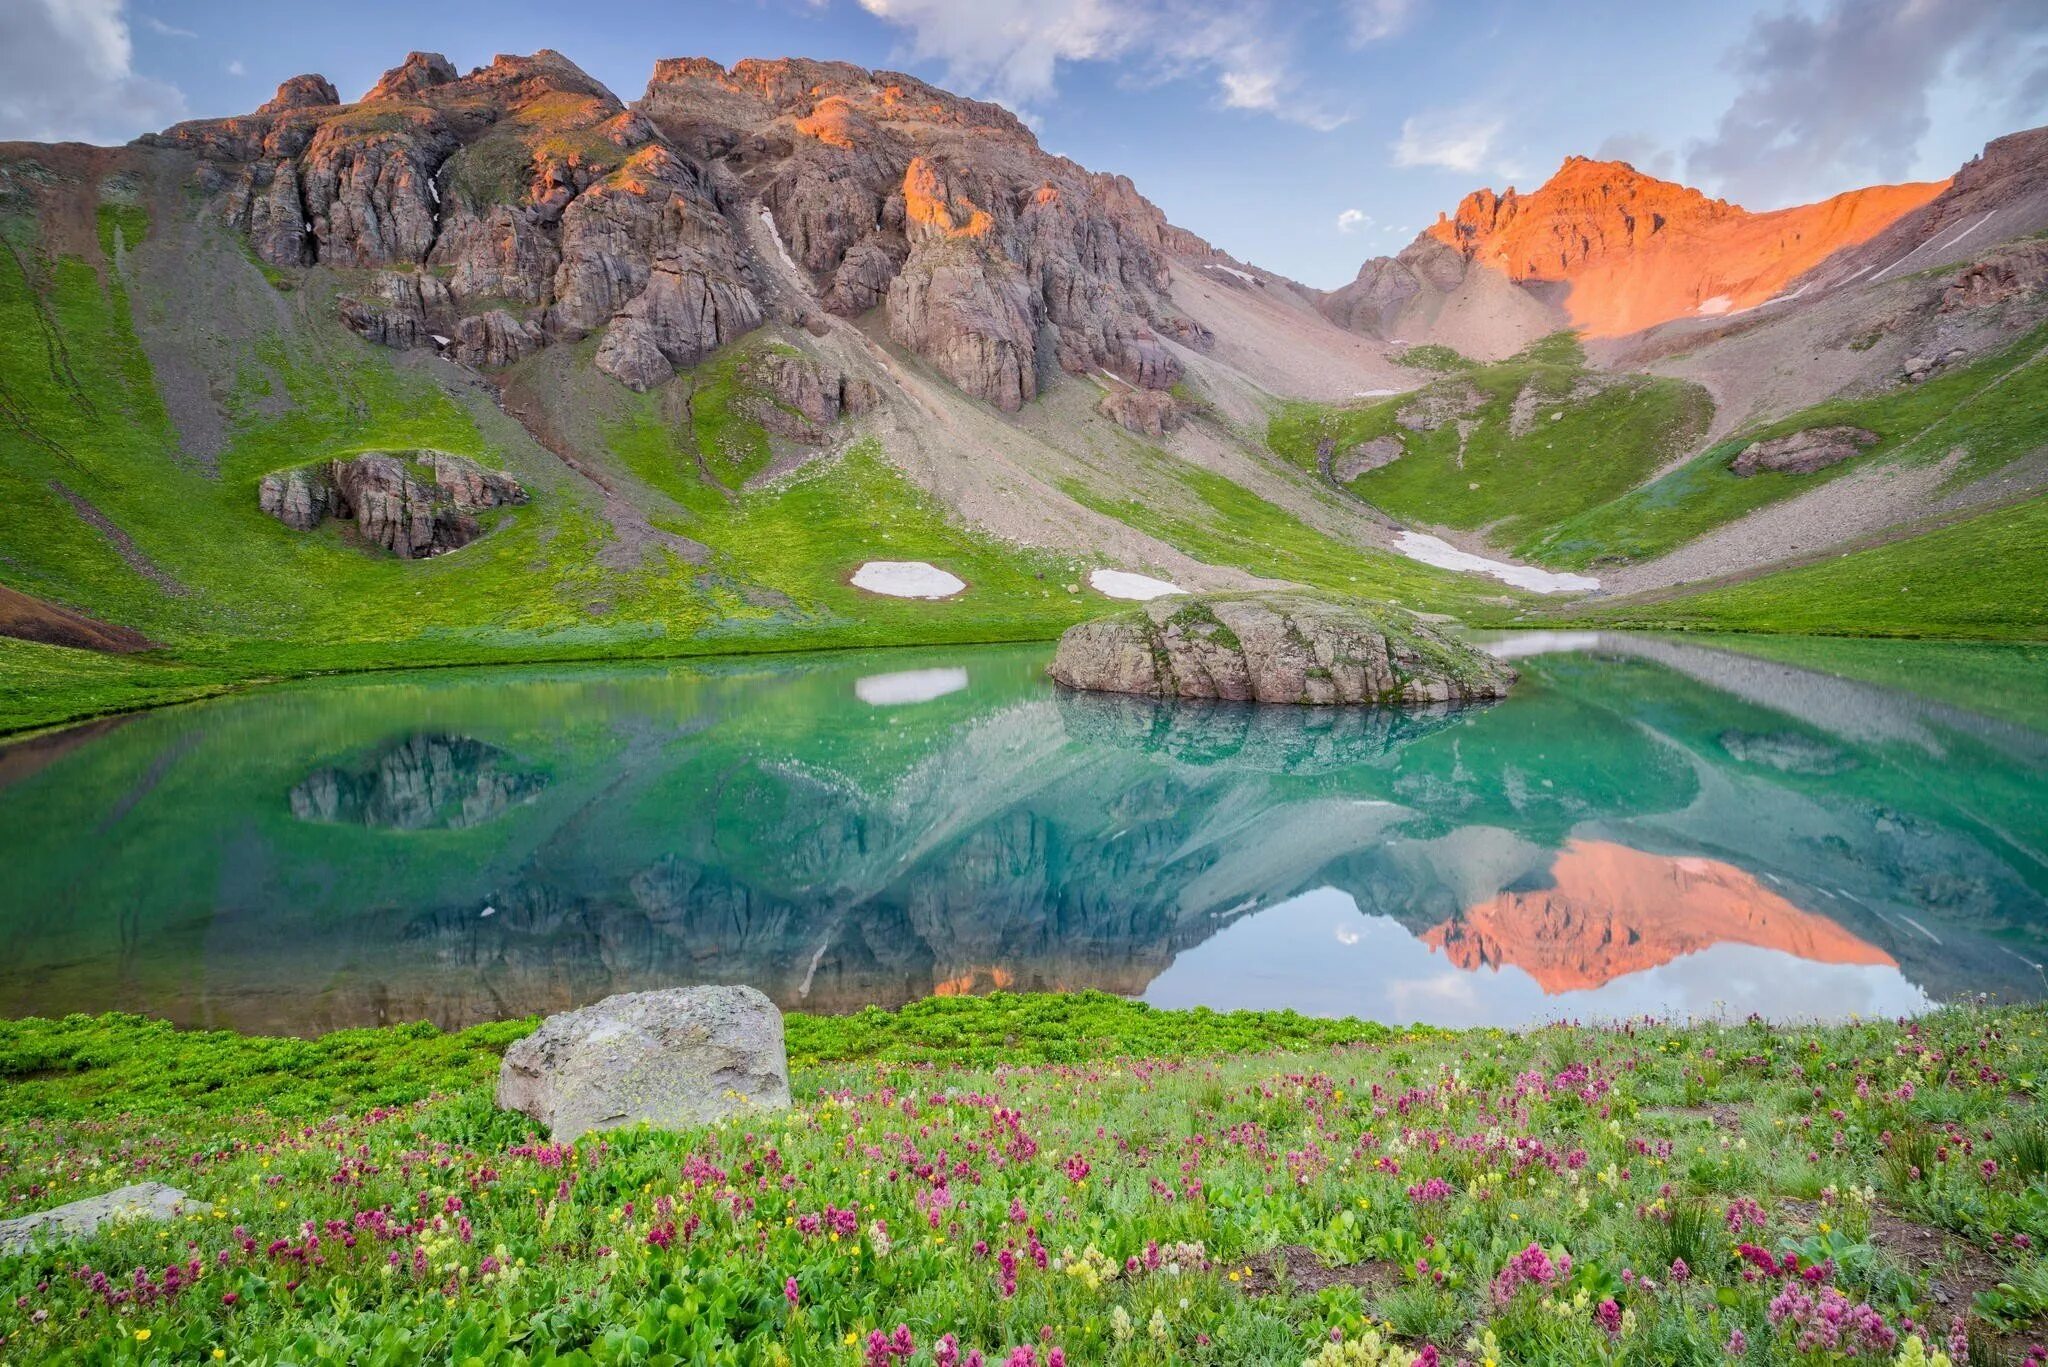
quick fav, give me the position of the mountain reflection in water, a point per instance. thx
(1645, 826)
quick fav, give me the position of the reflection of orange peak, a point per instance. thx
(1613, 910)
(1636, 251)
(972, 981)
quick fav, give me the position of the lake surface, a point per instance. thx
(1646, 826)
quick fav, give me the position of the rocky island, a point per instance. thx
(1276, 648)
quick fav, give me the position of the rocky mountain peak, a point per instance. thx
(1603, 248)
(420, 71)
(301, 92)
(523, 203)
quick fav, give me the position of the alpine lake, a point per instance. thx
(1648, 826)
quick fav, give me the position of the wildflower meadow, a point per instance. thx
(967, 1183)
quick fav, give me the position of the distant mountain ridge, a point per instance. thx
(1608, 250)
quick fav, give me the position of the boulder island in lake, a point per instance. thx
(1277, 648)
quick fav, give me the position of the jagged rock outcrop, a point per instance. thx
(301, 92)
(391, 506)
(547, 210)
(401, 309)
(1275, 648)
(945, 211)
(1147, 412)
(2015, 270)
(1802, 453)
(496, 339)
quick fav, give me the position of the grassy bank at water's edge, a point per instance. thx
(1053, 1180)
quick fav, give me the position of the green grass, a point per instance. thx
(1604, 441)
(42, 685)
(1990, 410)
(1081, 1177)
(1979, 578)
(1221, 522)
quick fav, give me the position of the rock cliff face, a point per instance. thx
(523, 203)
(1615, 251)
(1280, 648)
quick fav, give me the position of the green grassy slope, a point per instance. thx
(1985, 577)
(1476, 469)
(1990, 410)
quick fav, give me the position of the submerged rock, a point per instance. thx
(1281, 648)
(1802, 453)
(683, 1057)
(79, 1219)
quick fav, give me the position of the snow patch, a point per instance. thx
(1138, 588)
(781, 250)
(1245, 276)
(439, 340)
(909, 686)
(1434, 550)
(907, 579)
(1374, 393)
(1720, 303)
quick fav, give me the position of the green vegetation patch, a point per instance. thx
(1980, 578)
(1519, 447)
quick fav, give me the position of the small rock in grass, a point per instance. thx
(142, 1201)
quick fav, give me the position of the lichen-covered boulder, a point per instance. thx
(1802, 453)
(142, 1201)
(1278, 648)
(682, 1057)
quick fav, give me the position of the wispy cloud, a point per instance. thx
(67, 71)
(162, 29)
(1844, 92)
(1372, 20)
(1451, 140)
(1012, 50)
(1353, 220)
(235, 67)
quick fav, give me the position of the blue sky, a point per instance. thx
(1304, 135)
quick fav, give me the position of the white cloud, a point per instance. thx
(1843, 92)
(1451, 140)
(1011, 50)
(158, 26)
(66, 72)
(1351, 220)
(235, 68)
(1372, 20)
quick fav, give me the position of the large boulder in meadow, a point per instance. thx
(674, 1059)
(79, 1219)
(1276, 648)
